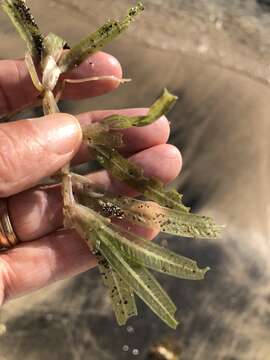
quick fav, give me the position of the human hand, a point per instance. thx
(33, 149)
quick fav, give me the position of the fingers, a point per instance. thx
(162, 161)
(135, 139)
(33, 265)
(35, 148)
(17, 90)
(99, 64)
(36, 213)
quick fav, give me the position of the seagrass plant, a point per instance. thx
(123, 257)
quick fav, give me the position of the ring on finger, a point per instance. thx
(8, 238)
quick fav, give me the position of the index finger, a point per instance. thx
(17, 90)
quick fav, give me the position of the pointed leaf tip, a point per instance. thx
(97, 40)
(122, 297)
(24, 22)
(161, 107)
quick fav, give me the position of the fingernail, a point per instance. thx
(61, 132)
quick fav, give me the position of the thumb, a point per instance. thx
(35, 148)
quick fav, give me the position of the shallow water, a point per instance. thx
(232, 34)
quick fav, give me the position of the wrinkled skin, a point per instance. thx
(221, 125)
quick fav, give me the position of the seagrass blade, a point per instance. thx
(53, 45)
(94, 228)
(144, 213)
(123, 170)
(159, 108)
(25, 24)
(135, 248)
(153, 256)
(122, 296)
(154, 216)
(99, 134)
(97, 40)
(143, 284)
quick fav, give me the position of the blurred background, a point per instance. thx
(215, 55)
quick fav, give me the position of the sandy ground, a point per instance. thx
(219, 68)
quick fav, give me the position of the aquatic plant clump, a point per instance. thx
(123, 258)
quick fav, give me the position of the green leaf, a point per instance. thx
(122, 296)
(159, 108)
(123, 170)
(137, 249)
(144, 213)
(99, 134)
(97, 40)
(143, 284)
(94, 229)
(128, 254)
(25, 24)
(166, 220)
(53, 45)
(153, 256)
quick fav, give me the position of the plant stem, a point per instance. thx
(50, 107)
